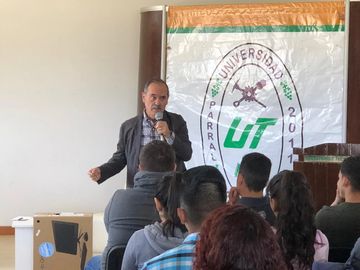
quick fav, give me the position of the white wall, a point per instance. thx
(68, 79)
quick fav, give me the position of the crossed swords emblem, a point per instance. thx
(248, 93)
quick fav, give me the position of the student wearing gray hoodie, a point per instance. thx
(156, 238)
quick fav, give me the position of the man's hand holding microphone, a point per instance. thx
(161, 126)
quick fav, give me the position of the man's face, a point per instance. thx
(155, 99)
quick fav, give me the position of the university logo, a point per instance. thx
(251, 105)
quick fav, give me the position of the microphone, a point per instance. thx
(158, 117)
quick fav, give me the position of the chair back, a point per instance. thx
(114, 257)
(339, 254)
(354, 259)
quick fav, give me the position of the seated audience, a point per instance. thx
(252, 179)
(156, 238)
(130, 210)
(340, 222)
(201, 190)
(236, 237)
(292, 202)
(352, 263)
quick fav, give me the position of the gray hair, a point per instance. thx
(156, 81)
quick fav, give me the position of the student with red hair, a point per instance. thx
(235, 238)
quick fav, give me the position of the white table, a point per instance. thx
(23, 242)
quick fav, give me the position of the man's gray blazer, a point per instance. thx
(128, 147)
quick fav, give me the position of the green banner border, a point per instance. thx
(249, 29)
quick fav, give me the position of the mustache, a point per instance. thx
(156, 107)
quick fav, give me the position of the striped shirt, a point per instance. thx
(148, 132)
(178, 258)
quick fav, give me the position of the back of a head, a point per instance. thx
(235, 237)
(203, 189)
(255, 168)
(295, 219)
(168, 195)
(350, 168)
(157, 156)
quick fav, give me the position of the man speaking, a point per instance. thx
(154, 123)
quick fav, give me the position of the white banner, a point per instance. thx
(247, 88)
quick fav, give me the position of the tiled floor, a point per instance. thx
(7, 252)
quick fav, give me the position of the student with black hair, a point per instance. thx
(340, 222)
(252, 179)
(156, 238)
(130, 210)
(292, 202)
(201, 190)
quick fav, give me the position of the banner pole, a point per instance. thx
(346, 63)
(163, 44)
